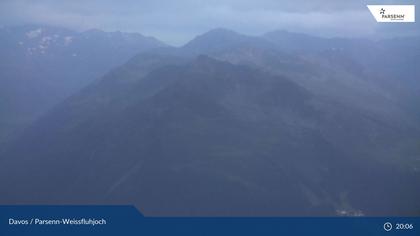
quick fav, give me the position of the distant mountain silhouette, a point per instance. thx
(220, 39)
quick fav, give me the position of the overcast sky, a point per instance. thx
(177, 21)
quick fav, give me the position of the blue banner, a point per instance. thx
(127, 220)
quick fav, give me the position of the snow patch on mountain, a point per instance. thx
(34, 33)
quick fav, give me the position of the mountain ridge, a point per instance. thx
(231, 125)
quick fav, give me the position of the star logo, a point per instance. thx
(382, 11)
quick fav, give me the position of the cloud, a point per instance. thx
(178, 21)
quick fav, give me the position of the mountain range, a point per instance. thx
(41, 66)
(282, 124)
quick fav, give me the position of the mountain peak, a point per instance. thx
(218, 35)
(219, 39)
(220, 31)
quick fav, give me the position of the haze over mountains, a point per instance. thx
(228, 124)
(40, 66)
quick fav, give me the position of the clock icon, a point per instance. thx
(387, 226)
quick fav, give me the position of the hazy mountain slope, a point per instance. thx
(389, 65)
(329, 69)
(40, 66)
(308, 131)
(207, 138)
